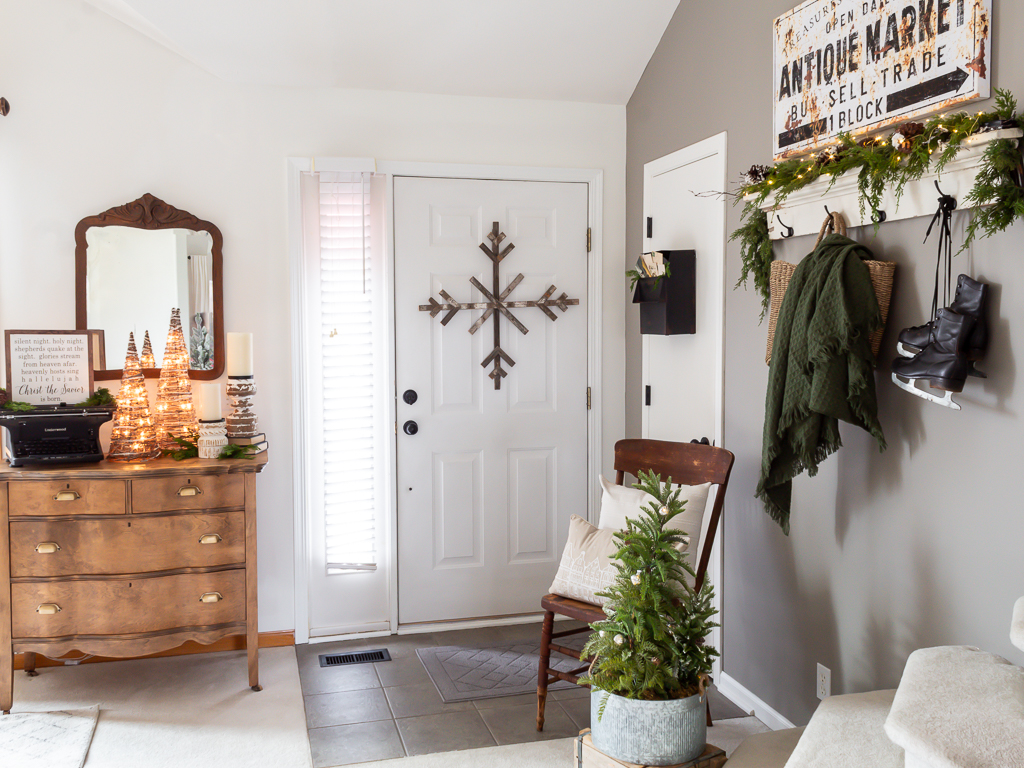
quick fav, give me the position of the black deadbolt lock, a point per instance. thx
(410, 396)
(410, 427)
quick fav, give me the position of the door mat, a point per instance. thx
(462, 673)
(47, 739)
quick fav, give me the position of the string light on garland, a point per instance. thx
(888, 163)
(146, 359)
(133, 437)
(175, 411)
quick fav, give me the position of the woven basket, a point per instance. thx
(881, 273)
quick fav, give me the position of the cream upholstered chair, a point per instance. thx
(686, 464)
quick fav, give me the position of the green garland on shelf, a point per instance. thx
(890, 162)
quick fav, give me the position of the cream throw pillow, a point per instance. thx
(587, 565)
(619, 502)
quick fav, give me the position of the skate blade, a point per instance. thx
(904, 351)
(908, 386)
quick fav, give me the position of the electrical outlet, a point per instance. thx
(824, 684)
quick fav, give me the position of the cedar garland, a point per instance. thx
(890, 163)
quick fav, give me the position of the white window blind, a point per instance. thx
(351, 351)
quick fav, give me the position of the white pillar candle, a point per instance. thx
(239, 354)
(210, 401)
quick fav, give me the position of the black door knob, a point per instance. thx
(410, 427)
(410, 396)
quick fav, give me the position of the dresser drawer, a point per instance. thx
(68, 497)
(164, 494)
(123, 606)
(129, 544)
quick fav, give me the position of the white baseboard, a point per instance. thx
(749, 702)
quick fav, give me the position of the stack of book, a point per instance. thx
(259, 440)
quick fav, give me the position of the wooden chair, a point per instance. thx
(686, 464)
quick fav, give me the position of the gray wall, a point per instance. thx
(919, 546)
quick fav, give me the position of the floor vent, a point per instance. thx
(358, 657)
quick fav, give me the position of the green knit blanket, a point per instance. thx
(822, 369)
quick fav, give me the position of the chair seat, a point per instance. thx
(574, 609)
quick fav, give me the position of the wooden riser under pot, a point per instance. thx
(586, 755)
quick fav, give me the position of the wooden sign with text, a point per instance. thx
(49, 367)
(855, 66)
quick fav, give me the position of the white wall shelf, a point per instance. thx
(804, 210)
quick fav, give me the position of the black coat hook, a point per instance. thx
(827, 211)
(878, 216)
(788, 232)
(945, 201)
(5, 106)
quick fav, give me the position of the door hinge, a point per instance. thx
(588, 398)
(647, 395)
(650, 227)
(588, 239)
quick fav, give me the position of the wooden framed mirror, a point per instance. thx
(136, 262)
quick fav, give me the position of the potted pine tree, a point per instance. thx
(651, 665)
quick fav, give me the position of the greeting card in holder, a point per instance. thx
(49, 367)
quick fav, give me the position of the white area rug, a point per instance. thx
(181, 712)
(47, 739)
(557, 753)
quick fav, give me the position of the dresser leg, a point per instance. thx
(30, 664)
(6, 682)
(252, 647)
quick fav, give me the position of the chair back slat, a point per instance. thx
(685, 464)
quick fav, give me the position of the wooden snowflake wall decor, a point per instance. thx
(497, 302)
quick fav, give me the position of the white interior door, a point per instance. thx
(685, 373)
(486, 485)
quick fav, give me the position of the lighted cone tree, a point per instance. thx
(175, 412)
(146, 359)
(133, 437)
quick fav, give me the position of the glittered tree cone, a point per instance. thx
(146, 359)
(133, 437)
(175, 411)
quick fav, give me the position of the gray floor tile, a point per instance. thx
(421, 699)
(406, 670)
(358, 743)
(444, 733)
(518, 724)
(576, 692)
(400, 646)
(579, 710)
(316, 679)
(505, 701)
(346, 707)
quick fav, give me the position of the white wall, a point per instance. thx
(101, 115)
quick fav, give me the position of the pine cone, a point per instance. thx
(911, 131)
(756, 174)
(3, 398)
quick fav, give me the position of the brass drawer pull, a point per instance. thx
(48, 609)
(189, 490)
(67, 496)
(47, 547)
(210, 538)
(211, 597)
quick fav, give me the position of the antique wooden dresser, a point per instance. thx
(123, 560)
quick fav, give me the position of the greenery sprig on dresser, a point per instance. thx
(652, 646)
(189, 449)
(890, 162)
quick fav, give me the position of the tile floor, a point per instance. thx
(391, 709)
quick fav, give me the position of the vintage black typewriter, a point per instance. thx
(58, 434)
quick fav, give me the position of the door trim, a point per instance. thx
(702, 150)
(595, 197)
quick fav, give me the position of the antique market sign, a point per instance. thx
(853, 66)
(49, 367)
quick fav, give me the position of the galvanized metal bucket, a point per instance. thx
(648, 732)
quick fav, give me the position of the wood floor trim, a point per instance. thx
(233, 643)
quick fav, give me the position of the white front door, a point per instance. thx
(487, 483)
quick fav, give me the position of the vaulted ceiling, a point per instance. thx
(569, 50)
